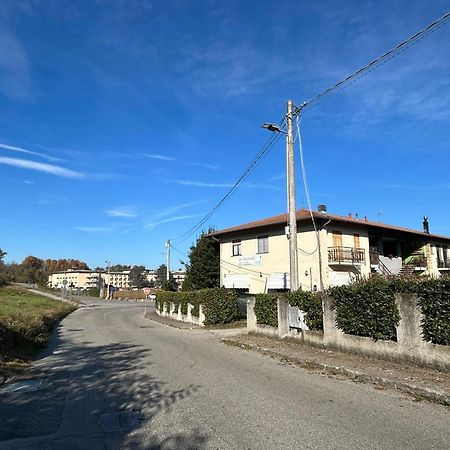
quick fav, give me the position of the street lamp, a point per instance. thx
(272, 127)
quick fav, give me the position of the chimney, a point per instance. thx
(322, 209)
(426, 225)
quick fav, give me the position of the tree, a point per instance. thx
(161, 279)
(2, 254)
(137, 277)
(203, 268)
(119, 268)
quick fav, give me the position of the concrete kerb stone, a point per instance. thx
(431, 394)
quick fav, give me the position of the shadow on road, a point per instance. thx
(81, 385)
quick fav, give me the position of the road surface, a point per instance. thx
(112, 379)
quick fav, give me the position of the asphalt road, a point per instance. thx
(112, 379)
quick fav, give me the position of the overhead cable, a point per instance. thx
(273, 139)
(424, 32)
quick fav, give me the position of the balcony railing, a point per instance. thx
(346, 255)
(443, 264)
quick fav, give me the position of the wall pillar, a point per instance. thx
(331, 332)
(201, 316)
(251, 316)
(283, 317)
(409, 330)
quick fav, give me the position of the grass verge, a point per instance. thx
(26, 321)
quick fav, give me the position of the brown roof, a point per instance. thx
(304, 215)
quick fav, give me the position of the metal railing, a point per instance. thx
(346, 255)
(442, 264)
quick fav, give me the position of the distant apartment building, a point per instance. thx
(85, 279)
(151, 276)
(179, 276)
(255, 256)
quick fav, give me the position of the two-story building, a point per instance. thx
(334, 250)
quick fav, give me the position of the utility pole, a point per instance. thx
(293, 258)
(168, 259)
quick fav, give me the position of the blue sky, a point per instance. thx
(123, 122)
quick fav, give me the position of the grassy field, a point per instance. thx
(26, 321)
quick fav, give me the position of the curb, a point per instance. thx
(419, 392)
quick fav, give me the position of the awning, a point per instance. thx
(278, 280)
(236, 281)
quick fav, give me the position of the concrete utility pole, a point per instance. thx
(293, 258)
(290, 167)
(168, 259)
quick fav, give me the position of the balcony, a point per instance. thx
(346, 256)
(442, 264)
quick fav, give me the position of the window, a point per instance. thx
(356, 240)
(263, 244)
(236, 248)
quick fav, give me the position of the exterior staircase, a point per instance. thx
(417, 260)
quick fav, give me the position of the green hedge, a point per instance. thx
(311, 304)
(367, 308)
(218, 305)
(434, 301)
(266, 309)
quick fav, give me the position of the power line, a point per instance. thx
(259, 156)
(385, 57)
(225, 262)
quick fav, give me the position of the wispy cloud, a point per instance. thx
(159, 157)
(41, 167)
(176, 160)
(200, 183)
(125, 212)
(14, 148)
(195, 183)
(410, 187)
(15, 80)
(174, 208)
(152, 225)
(93, 229)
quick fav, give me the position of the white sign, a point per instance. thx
(249, 260)
(152, 296)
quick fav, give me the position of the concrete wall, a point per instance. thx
(175, 314)
(410, 347)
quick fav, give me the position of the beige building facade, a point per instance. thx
(255, 256)
(84, 279)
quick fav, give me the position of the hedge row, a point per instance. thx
(311, 304)
(367, 308)
(266, 309)
(218, 305)
(434, 300)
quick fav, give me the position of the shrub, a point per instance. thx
(3, 279)
(434, 300)
(367, 308)
(311, 304)
(266, 309)
(218, 305)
